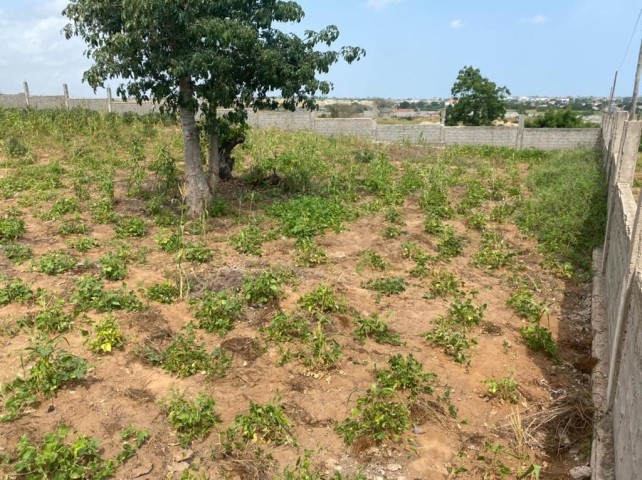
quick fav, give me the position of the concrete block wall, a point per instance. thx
(416, 134)
(367, 128)
(358, 127)
(560, 138)
(496, 136)
(627, 408)
(620, 233)
(622, 305)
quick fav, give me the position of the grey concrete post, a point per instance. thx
(26, 89)
(520, 131)
(629, 152)
(442, 127)
(65, 90)
(109, 99)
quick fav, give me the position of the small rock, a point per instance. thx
(330, 463)
(183, 455)
(142, 470)
(178, 467)
(579, 473)
(394, 467)
(418, 430)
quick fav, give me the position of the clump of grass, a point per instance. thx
(17, 252)
(444, 284)
(495, 252)
(186, 357)
(372, 260)
(192, 419)
(264, 423)
(166, 292)
(540, 339)
(386, 285)
(55, 263)
(309, 253)
(15, 291)
(217, 311)
(375, 328)
(566, 210)
(504, 388)
(323, 299)
(90, 294)
(309, 216)
(523, 303)
(287, 327)
(264, 287)
(51, 369)
(249, 240)
(113, 266)
(129, 227)
(107, 336)
(56, 458)
(12, 226)
(51, 319)
(405, 373)
(453, 338)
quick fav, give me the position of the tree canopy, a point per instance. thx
(562, 118)
(202, 56)
(478, 101)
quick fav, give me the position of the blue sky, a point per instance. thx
(414, 47)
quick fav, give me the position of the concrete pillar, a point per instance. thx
(26, 90)
(628, 155)
(109, 99)
(65, 90)
(520, 131)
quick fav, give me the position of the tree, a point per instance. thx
(203, 56)
(478, 101)
(563, 118)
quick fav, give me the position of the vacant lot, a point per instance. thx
(346, 311)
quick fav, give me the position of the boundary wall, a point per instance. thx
(366, 128)
(617, 448)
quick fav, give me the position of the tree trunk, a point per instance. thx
(214, 162)
(197, 193)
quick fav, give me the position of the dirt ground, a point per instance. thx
(122, 389)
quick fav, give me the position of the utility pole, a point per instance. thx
(634, 102)
(608, 111)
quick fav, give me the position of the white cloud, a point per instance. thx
(456, 23)
(536, 20)
(380, 4)
(34, 49)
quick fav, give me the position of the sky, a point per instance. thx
(414, 47)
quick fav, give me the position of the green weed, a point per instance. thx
(444, 284)
(55, 263)
(377, 329)
(17, 253)
(405, 373)
(309, 253)
(323, 299)
(266, 423)
(540, 339)
(217, 311)
(15, 291)
(129, 227)
(107, 336)
(525, 306)
(309, 216)
(249, 240)
(198, 253)
(386, 285)
(450, 244)
(262, 288)
(454, 340)
(57, 459)
(504, 388)
(372, 260)
(83, 244)
(192, 419)
(113, 266)
(166, 292)
(90, 294)
(51, 369)
(185, 357)
(12, 226)
(378, 416)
